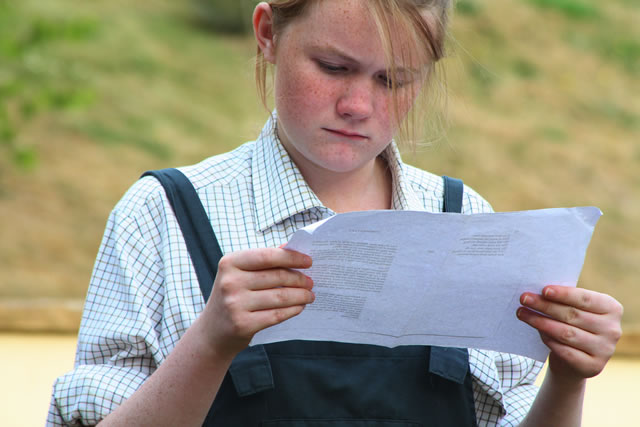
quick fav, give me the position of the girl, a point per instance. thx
(151, 352)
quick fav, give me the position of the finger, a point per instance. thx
(564, 313)
(572, 359)
(279, 298)
(265, 318)
(265, 258)
(582, 299)
(563, 333)
(276, 278)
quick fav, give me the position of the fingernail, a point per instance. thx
(525, 299)
(549, 293)
(519, 312)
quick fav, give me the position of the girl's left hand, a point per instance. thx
(581, 327)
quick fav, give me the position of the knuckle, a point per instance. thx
(265, 256)
(225, 263)
(281, 276)
(280, 315)
(292, 278)
(281, 296)
(609, 349)
(261, 257)
(261, 276)
(302, 280)
(618, 333)
(586, 299)
(567, 334)
(615, 333)
(572, 315)
(225, 286)
(230, 302)
(618, 309)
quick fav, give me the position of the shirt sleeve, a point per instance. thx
(504, 386)
(518, 375)
(119, 337)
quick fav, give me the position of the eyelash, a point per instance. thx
(388, 83)
(330, 68)
(337, 69)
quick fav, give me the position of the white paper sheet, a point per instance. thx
(395, 278)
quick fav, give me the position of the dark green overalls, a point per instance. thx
(326, 384)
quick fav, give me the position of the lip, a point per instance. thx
(346, 134)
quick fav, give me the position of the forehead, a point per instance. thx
(332, 20)
(349, 26)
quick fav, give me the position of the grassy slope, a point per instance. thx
(544, 106)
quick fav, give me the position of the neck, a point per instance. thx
(368, 188)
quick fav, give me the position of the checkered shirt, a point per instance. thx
(144, 292)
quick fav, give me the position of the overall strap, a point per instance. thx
(448, 362)
(198, 234)
(453, 190)
(250, 369)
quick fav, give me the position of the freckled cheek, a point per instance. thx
(384, 116)
(304, 92)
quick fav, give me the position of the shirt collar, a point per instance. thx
(279, 188)
(404, 197)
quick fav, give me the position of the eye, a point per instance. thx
(331, 68)
(389, 82)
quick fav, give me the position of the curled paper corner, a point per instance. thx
(589, 215)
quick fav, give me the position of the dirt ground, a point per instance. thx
(30, 363)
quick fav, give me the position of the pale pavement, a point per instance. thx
(30, 363)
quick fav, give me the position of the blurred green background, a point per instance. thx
(544, 111)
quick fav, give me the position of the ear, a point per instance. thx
(263, 30)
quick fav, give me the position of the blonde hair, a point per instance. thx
(423, 21)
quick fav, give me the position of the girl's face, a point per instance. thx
(332, 91)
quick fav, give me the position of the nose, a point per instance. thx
(356, 103)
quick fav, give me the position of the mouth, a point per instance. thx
(346, 134)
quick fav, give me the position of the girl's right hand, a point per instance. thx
(255, 289)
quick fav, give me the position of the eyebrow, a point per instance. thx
(334, 51)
